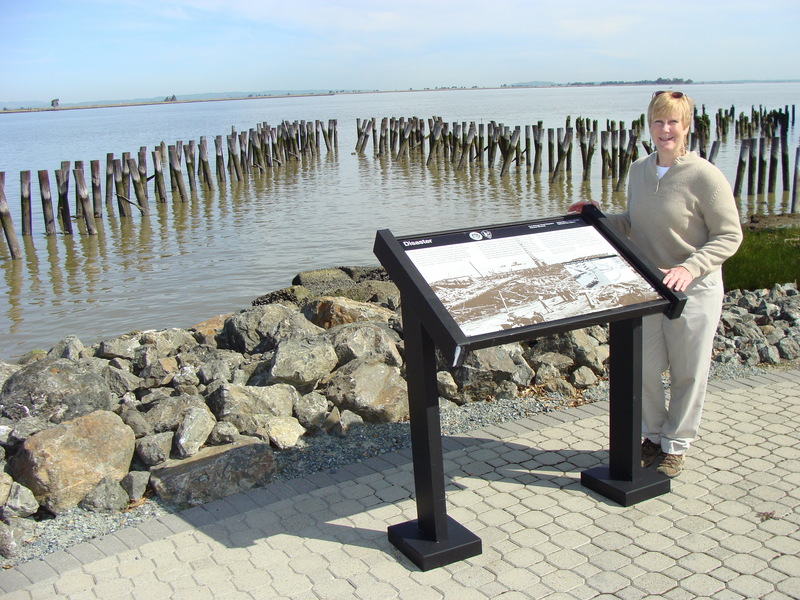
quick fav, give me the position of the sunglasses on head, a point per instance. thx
(675, 95)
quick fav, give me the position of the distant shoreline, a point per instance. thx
(357, 92)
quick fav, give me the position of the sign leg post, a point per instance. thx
(433, 539)
(624, 480)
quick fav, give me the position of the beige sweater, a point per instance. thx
(688, 218)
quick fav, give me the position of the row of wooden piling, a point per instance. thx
(764, 137)
(261, 148)
(485, 144)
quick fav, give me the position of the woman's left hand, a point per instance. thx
(677, 278)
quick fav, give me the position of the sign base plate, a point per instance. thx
(625, 493)
(460, 544)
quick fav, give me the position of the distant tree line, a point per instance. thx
(659, 81)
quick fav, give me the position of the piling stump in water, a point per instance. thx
(62, 183)
(122, 199)
(109, 181)
(47, 203)
(83, 198)
(158, 175)
(25, 202)
(8, 223)
(139, 187)
(97, 194)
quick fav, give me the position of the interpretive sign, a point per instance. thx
(473, 288)
(500, 278)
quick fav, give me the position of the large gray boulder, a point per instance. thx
(168, 413)
(107, 496)
(311, 410)
(62, 464)
(6, 371)
(250, 408)
(57, 389)
(485, 371)
(302, 361)
(375, 391)
(365, 340)
(329, 311)
(193, 431)
(261, 328)
(154, 449)
(213, 473)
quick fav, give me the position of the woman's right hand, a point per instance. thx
(578, 206)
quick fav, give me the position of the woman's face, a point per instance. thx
(669, 134)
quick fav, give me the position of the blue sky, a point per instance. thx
(85, 50)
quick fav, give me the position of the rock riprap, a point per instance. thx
(197, 414)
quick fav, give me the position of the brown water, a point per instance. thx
(217, 252)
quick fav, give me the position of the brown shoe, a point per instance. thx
(650, 452)
(671, 465)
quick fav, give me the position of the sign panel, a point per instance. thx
(500, 278)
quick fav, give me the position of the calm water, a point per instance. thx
(214, 254)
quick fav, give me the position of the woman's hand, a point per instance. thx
(578, 206)
(677, 278)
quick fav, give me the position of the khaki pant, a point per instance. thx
(683, 346)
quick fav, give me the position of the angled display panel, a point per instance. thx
(519, 280)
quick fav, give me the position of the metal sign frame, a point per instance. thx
(434, 539)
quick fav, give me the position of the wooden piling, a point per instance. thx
(774, 156)
(158, 175)
(82, 193)
(78, 205)
(605, 156)
(8, 223)
(587, 170)
(205, 166)
(175, 169)
(220, 159)
(558, 171)
(762, 163)
(122, 200)
(712, 154)
(62, 184)
(751, 166)
(510, 152)
(97, 192)
(142, 167)
(47, 203)
(793, 206)
(109, 181)
(234, 164)
(744, 151)
(538, 133)
(243, 158)
(625, 165)
(462, 161)
(126, 174)
(25, 202)
(189, 154)
(614, 150)
(139, 187)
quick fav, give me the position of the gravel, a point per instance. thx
(326, 453)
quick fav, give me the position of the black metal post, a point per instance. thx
(623, 480)
(433, 539)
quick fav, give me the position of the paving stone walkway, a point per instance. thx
(729, 529)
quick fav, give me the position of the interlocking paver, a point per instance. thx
(517, 487)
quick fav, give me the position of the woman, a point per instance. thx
(683, 217)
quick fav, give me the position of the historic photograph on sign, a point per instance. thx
(491, 281)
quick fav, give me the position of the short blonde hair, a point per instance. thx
(668, 103)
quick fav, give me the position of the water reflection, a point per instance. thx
(219, 249)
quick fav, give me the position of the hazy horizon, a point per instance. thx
(83, 51)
